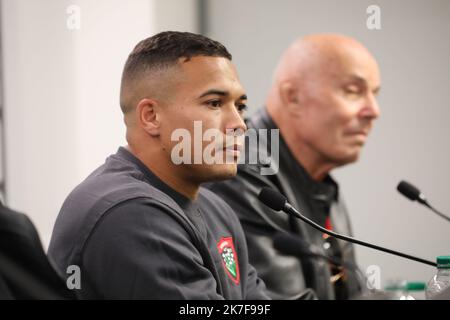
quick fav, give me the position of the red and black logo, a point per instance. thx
(229, 258)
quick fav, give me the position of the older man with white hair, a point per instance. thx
(323, 101)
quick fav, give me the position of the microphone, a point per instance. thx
(414, 194)
(278, 202)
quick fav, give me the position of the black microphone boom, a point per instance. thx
(414, 194)
(278, 202)
(294, 245)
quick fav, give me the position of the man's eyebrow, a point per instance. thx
(220, 93)
(214, 92)
(357, 78)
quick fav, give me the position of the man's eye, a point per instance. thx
(214, 103)
(242, 107)
(352, 90)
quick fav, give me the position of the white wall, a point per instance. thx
(410, 141)
(61, 91)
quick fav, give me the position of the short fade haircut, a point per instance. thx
(164, 50)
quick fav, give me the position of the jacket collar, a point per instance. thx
(154, 180)
(325, 191)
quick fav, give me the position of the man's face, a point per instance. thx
(207, 91)
(340, 106)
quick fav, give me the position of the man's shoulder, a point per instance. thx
(12, 221)
(117, 183)
(18, 228)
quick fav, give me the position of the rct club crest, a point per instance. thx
(229, 258)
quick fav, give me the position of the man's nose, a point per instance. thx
(371, 109)
(235, 121)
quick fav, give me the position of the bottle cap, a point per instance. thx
(443, 262)
(415, 286)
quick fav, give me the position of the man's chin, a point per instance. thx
(220, 172)
(349, 158)
(344, 157)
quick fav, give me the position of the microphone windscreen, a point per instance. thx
(408, 190)
(271, 198)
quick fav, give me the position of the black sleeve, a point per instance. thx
(5, 292)
(25, 271)
(139, 251)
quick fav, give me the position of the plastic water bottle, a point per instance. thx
(441, 280)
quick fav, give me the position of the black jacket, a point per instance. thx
(286, 276)
(25, 272)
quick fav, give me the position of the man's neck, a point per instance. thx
(316, 168)
(306, 156)
(166, 171)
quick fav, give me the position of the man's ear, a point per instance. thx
(289, 97)
(148, 116)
